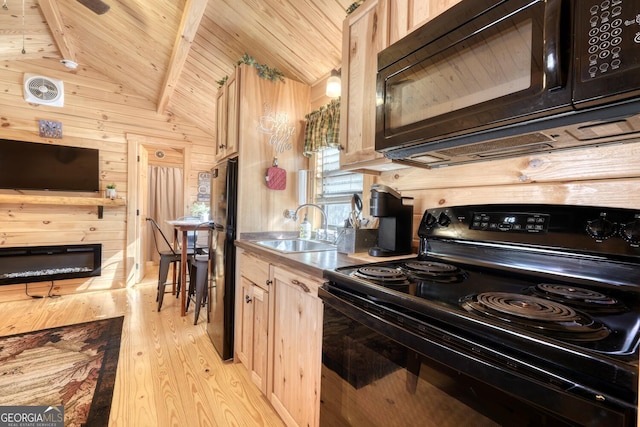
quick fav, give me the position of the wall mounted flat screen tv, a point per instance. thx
(35, 166)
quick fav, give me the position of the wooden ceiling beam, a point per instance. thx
(52, 15)
(193, 12)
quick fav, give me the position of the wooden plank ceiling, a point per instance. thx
(172, 52)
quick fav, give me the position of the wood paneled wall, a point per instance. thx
(318, 94)
(271, 124)
(603, 176)
(97, 114)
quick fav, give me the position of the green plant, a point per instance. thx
(222, 81)
(264, 71)
(111, 186)
(199, 208)
(353, 6)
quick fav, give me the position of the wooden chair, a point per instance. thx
(167, 257)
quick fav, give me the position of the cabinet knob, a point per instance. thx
(247, 299)
(268, 282)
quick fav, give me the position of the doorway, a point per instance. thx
(164, 202)
(145, 154)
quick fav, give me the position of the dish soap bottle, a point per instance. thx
(305, 228)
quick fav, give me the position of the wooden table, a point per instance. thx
(184, 226)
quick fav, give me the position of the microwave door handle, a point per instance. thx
(552, 46)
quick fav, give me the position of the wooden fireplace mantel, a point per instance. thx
(29, 199)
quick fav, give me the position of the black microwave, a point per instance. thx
(490, 79)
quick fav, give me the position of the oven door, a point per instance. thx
(502, 63)
(380, 368)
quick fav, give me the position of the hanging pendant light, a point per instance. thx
(333, 84)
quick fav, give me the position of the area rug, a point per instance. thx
(73, 366)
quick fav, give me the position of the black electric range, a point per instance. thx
(544, 292)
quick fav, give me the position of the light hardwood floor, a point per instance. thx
(169, 374)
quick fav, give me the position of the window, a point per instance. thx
(335, 188)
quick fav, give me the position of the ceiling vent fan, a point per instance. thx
(43, 90)
(97, 6)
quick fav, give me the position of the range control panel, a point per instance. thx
(581, 228)
(510, 222)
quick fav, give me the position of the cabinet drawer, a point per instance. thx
(305, 283)
(254, 269)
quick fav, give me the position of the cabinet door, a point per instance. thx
(297, 348)
(227, 107)
(365, 33)
(408, 15)
(244, 345)
(259, 323)
(252, 319)
(221, 122)
(233, 111)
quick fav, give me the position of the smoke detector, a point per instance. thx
(43, 90)
(69, 63)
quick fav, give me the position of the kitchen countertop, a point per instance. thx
(312, 263)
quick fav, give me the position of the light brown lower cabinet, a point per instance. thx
(288, 371)
(297, 348)
(252, 318)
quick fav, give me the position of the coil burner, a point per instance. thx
(387, 276)
(538, 314)
(581, 298)
(433, 271)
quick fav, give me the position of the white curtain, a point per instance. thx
(165, 202)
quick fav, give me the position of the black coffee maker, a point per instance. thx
(395, 227)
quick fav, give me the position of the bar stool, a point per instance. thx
(198, 286)
(167, 258)
(199, 277)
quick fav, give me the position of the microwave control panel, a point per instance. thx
(609, 37)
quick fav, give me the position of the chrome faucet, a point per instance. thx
(294, 215)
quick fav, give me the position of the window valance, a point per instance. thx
(323, 128)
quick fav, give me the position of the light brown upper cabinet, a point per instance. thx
(365, 33)
(408, 15)
(227, 110)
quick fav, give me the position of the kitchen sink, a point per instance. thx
(296, 245)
